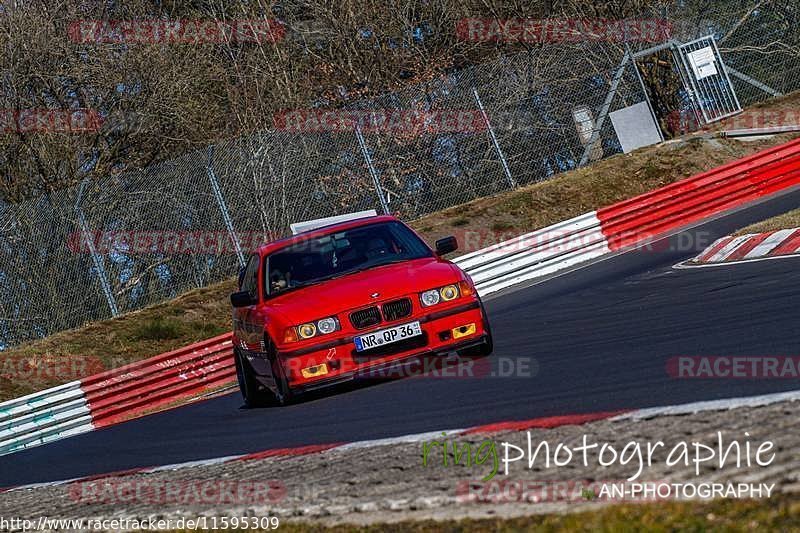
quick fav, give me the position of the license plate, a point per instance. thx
(387, 336)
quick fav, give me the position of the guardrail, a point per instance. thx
(145, 386)
(116, 395)
(635, 221)
(535, 254)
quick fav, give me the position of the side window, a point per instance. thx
(250, 279)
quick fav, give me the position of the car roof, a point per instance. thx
(321, 231)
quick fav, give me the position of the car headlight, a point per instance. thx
(442, 294)
(309, 330)
(306, 331)
(429, 298)
(327, 325)
(449, 292)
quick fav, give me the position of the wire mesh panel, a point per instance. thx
(158, 231)
(272, 179)
(435, 152)
(536, 111)
(46, 285)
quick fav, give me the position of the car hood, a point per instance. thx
(357, 290)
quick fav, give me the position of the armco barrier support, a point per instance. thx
(145, 386)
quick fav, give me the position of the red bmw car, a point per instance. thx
(326, 305)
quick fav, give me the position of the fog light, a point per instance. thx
(313, 371)
(463, 331)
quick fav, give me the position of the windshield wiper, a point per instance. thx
(362, 269)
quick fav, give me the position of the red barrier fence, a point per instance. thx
(144, 386)
(701, 196)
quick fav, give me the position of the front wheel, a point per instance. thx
(283, 393)
(252, 392)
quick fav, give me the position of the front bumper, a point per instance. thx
(343, 363)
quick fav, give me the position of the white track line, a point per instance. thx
(710, 405)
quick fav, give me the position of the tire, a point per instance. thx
(252, 392)
(486, 347)
(283, 394)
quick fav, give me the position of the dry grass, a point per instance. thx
(203, 313)
(784, 221)
(779, 513)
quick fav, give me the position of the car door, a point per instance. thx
(247, 332)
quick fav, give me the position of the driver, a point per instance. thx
(278, 280)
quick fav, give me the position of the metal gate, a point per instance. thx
(706, 79)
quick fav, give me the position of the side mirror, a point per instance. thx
(241, 276)
(446, 245)
(241, 299)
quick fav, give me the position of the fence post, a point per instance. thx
(105, 285)
(612, 91)
(643, 87)
(368, 160)
(497, 149)
(226, 217)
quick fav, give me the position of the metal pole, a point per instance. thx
(105, 285)
(646, 96)
(752, 81)
(612, 91)
(492, 136)
(368, 160)
(226, 217)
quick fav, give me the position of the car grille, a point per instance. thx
(365, 318)
(396, 309)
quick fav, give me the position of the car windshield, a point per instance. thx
(341, 253)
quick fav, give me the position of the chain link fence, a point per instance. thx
(138, 238)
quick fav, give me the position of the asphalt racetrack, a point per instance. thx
(596, 339)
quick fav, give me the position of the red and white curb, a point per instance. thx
(549, 422)
(750, 247)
